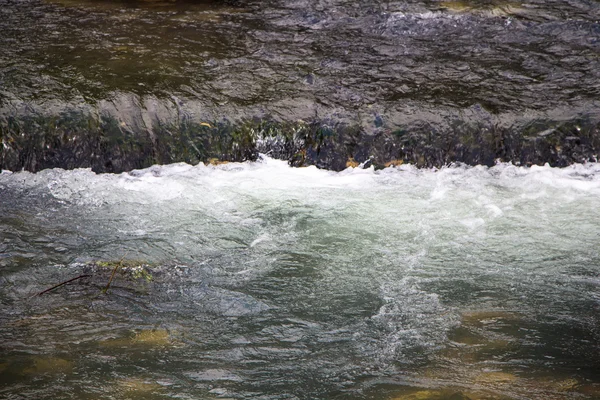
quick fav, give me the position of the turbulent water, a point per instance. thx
(261, 281)
(273, 282)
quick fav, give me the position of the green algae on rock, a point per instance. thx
(112, 144)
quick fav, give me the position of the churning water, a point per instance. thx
(265, 281)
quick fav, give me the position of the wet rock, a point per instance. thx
(111, 144)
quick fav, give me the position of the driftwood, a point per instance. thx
(105, 290)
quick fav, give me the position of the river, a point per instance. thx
(263, 281)
(462, 261)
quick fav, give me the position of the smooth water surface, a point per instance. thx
(293, 58)
(272, 282)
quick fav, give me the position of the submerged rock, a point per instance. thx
(493, 378)
(444, 394)
(49, 365)
(148, 338)
(138, 386)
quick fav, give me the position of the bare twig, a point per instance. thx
(119, 264)
(60, 284)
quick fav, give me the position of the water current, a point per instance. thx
(257, 280)
(328, 59)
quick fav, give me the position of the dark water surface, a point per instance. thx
(499, 55)
(259, 280)
(306, 57)
(117, 85)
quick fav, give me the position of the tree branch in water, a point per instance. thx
(60, 284)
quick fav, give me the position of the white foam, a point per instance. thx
(160, 183)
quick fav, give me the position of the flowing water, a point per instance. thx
(261, 281)
(268, 282)
(339, 59)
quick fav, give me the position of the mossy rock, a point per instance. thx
(351, 163)
(129, 269)
(393, 163)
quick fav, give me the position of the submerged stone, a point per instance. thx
(488, 8)
(139, 386)
(481, 318)
(567, 385)
(444, 394)
(49, 365)
(592, 390)
(155, 337)
(496, 377)
(151, 338)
